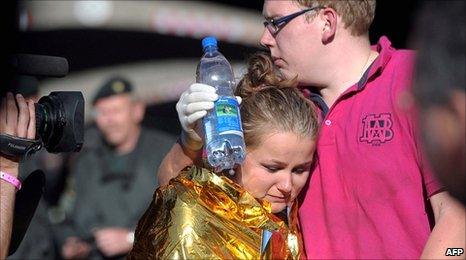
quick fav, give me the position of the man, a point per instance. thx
(367, 193)
(365, 198)
(439, 88)
(37, 242)
(114, 174)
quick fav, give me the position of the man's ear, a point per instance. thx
(139, 109)
(330, 20)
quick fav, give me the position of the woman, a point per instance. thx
(202, 215)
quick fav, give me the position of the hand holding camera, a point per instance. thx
(55, 122)
(58, 120)
(17, 118)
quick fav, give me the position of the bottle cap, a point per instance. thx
(209, 41)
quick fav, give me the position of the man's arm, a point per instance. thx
(449, 230)
(191, 108)
(175, 161)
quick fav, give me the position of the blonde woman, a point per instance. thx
(252, 214)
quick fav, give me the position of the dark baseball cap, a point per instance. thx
(113, 86)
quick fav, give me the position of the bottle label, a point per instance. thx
(228, 117)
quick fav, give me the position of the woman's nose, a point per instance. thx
(285, 184)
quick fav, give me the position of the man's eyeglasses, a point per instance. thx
(274, 25)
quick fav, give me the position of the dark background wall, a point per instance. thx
(103, 48)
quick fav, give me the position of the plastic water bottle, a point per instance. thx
(224, 141)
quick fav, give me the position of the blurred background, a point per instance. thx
(156, 44)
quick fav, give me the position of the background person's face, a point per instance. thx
(444, 130)
(116, 117)
(277, 169)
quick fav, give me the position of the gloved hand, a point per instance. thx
(191, 107)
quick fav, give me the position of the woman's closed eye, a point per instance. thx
(271, 168)
(300, 170)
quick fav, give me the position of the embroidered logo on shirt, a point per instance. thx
(377, 129)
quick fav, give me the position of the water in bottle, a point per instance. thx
(224, 141)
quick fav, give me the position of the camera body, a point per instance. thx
(60, 121)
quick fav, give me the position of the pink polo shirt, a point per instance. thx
(367, 196)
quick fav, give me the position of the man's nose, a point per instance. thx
(267, 39)
(106, 118)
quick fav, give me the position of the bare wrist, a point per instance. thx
(188, 144)
(9, 166)
(192, 154)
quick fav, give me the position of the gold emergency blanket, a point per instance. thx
(200, 215)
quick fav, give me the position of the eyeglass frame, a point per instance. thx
(279, 23)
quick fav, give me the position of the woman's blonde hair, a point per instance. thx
(356, 14)
(272, 104)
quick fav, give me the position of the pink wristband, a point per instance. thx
(8, 178)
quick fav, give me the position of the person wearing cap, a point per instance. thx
(114, 174)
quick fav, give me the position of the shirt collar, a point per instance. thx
(385, 50)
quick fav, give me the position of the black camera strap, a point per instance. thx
(16, 146)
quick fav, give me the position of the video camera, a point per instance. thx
(59, 127)
(59, 116)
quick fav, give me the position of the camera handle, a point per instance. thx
(16, 146)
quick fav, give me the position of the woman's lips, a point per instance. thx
(278, 198)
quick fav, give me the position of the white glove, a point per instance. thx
(191, 107)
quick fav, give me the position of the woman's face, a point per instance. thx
(277, 169)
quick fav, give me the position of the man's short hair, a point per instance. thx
(356, 15)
